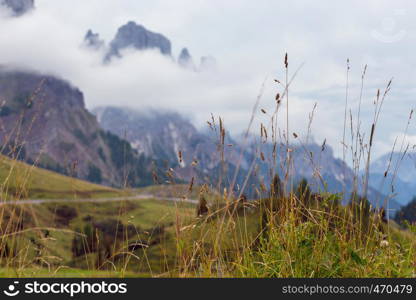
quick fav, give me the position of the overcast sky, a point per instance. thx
(249, 40)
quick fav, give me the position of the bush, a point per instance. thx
(94, 174)
(64, 214)
(407, 213)
(81, 136)
(5, 111)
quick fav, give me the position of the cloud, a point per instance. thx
(249, 40)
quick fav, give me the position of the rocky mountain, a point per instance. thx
(163, 135)
(18, 7)
(151, 133)
(185, 60)
(400, 183)
(43, 120)
(138, 37)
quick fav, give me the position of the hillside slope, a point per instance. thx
(20, 180)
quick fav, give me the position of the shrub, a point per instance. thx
(94, 174)
(5, 111)
(65, 213)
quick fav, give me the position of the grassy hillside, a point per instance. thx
(302, 235)
(39, 239)
(20, 180)
(123, 238)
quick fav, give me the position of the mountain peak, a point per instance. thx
(92, 40)
(185, 59)
(184, 55)
(133, 35)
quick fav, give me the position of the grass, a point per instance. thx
(307, 250)
(191, 247)
(39, 237)
(289, 245)
(45, 238)
(20, 180)
(64, 272)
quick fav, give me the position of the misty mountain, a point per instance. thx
(138, 37)
(399, 180)
(162, 135)
(93, 40)
(18, 7)
(185, 59)
(43, 121)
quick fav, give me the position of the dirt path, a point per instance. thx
(98, 200)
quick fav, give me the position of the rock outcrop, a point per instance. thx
(93, 41)
(185, 60)
(138, 37)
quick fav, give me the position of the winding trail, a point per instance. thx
(98, 200)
